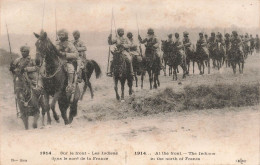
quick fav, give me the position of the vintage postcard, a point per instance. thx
(129, 82)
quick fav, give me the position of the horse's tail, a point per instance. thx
(97, 68)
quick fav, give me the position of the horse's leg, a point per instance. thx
(165, 67)
(200, 67)
(136, 80)
(150, 79)
(208, 65)
(53, 103)
(84, 89)
(35, 118)
(130, 85)
(90, 88)
(193, 63)
(142, 80)
(116, 88)
(25, 121)
(158, 82)
(155, 81)
(73, 111)
(63, 105)
(184, 70)
(122, 88)
(188, 69)
(46, 108)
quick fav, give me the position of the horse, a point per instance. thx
(89, 67)
(178, 58)
(54, 76)
(236, 57)
(190, 56)
(152, 65)
(217, 53)
(139, 68)
(202, 59)
(28, 99)
(166, 55)
(121, 72)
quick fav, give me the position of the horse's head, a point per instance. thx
(44, 46)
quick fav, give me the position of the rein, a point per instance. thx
(44, 75)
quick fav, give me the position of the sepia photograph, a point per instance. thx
(129, 82)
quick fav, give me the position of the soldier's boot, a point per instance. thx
(110, 73)
(131, 69)
(80, 75)
(70, 82)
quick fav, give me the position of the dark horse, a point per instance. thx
(121, 72)
(152, 65)
(55, 78)
(177, 58)
(139, 68)
(90, 66)
(166, 55)
(202, 55)
(29, 101)
(236, 57)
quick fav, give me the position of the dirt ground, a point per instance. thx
(104, 124)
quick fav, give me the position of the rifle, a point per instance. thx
(140, 47)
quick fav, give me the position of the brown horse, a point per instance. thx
(55, 78)
(29, 101)
(90, 66)
(121, 72)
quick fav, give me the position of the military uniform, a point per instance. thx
(179, 46)
(152, 44)
(202, 45)
(28, 65)
(133, 48)
(68, 50)
(186, 43)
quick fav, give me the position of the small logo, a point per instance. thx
(241, 161)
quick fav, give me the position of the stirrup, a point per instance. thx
(109, 74)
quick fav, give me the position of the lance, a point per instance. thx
(109, 48)
(140, 47)
(10, 50)
(113, 17)
(56, 26)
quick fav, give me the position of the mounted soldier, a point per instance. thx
(70, 54)
(151, 43)
(201, 44)
(206, 38)
(122, 46)
(227, 41)
(28, 88)
(80, 46)
(179, 46)
(236, 43)
(236, 54)
(27, 65)
(186, 42)
(252, 44)
(212, 42)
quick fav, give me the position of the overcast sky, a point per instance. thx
(25, 16)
